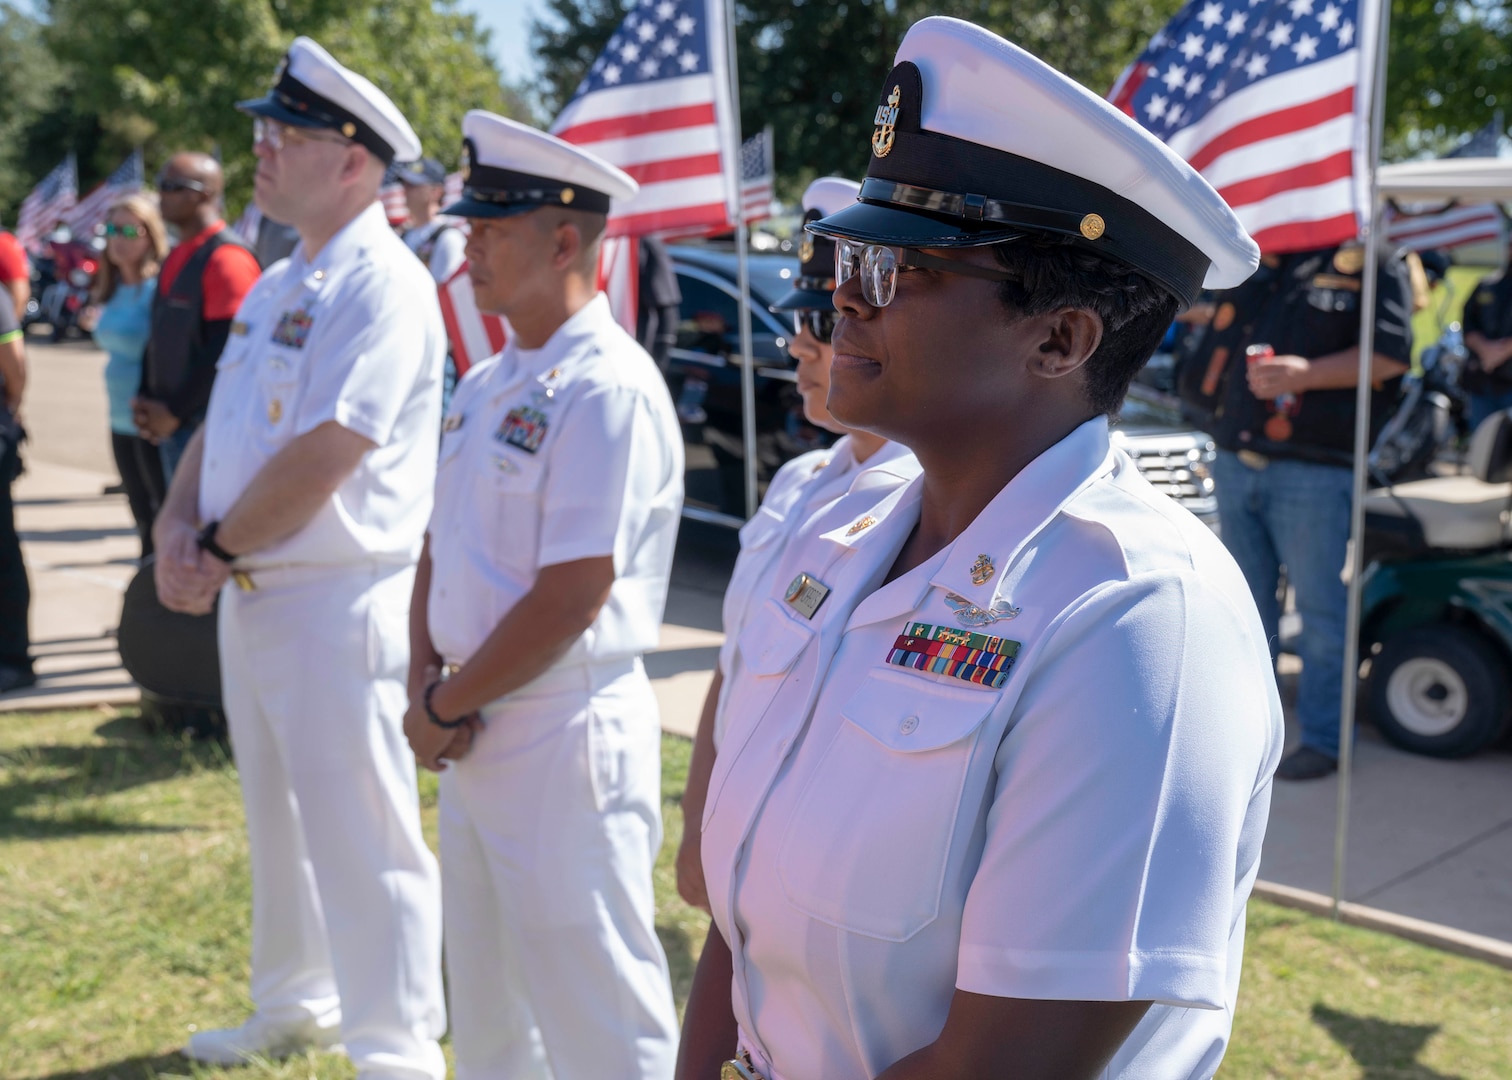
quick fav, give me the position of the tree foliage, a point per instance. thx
(813, 68)
(166, 74)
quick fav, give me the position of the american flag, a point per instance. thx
(49, 202)
(474, 335)
(1267, 99)
(391, 195)
(756, 176)
(657, 103)
(90, 213)
(1427, 228)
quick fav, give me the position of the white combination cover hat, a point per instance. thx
(311, 89)
(976, 141)
(814, 287)
(509, 168)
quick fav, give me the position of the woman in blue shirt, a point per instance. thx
(135, 245)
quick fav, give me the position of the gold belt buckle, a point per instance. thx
(740, 1068)
(1253, 460)
(448, 670)
(243, 580)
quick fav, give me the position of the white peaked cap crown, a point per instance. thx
(509, 168)
(830, 194)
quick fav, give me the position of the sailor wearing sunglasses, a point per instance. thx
(998, 755)
(799, 489)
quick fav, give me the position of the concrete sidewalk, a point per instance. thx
(1429, 839)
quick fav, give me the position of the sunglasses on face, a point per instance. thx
(820, 323)
(276, 136)
(125, 232)
(167, 185)
(878, 266)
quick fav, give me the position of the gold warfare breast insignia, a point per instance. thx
(887, 120)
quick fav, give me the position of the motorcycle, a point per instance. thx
(1429, 417)
(74, 265)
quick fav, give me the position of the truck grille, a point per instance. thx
(1179, 465)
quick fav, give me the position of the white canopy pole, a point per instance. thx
(743, 282)
(1368, 290)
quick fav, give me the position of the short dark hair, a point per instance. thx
(1053, 272)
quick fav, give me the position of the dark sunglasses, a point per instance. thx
(168, 184)
(820, 323)
(125, 232)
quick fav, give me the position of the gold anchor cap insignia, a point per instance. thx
(887, 120)
(865, 523)
(982, 570)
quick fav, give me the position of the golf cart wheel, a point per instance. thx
(1440, 690)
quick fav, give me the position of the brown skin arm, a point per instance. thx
(690, 877)
(536, 633)
(13, 371)
(1493, 352)
(709, 1034)
(1336, 371)
(1021, 1038)
(423, 653)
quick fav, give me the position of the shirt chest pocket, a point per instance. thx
(871, 832)
(275, 400)
(507, 500)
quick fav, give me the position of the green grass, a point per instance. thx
(124, 920)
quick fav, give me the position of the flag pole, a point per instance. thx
(1368, 288)
(743, 282)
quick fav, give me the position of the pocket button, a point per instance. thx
(909, 724)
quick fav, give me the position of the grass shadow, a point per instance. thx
(1383, 1049)
(51, 790)
(144, 1067)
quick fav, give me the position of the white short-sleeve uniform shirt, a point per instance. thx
(885, 825)
(801, 487)
(570, 451)
(447, 248)
(355, 336)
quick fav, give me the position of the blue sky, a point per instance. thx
(509, 20)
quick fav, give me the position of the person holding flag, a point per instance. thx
(542, 581)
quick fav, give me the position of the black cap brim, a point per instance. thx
(273, 110)
(804, 300)
(467, 207)
(875, 223)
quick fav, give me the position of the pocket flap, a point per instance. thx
(771, 642)
(514, 473)
(909, 713)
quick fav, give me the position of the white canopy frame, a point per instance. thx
(1448, 179)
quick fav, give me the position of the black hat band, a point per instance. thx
(815, 284)
(299, 98)
(506, 187)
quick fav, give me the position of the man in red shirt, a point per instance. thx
(15, 271)
(200, 286)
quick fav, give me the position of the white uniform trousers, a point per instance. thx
(346, 914)
(549, 831)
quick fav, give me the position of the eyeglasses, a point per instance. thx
(277, 135)
(166, 185)
(820, 323)
(878, 266)
(125, 232)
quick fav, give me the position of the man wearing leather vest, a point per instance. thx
(200, 287)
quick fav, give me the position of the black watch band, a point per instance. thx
(207, 542)
(430, 712)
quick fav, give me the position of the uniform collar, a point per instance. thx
(348, 242)
(1028, 503)
(586, 323)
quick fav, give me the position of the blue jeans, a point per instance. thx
(1483, 405)
(172, 450)
(1295, 514)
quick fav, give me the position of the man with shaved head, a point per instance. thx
(200, 287)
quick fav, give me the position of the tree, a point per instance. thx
(813, 68)
(29, 83)
(166, 74)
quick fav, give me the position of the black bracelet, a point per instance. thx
(430, 712)
(206, 542)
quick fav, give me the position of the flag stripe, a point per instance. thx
(633, 100)
(1284, 91)
(1269, 156)
(620, 127)
(1302, 235)
(675, 169)
(640, 149)
(1321, 203)
(1334, 167)
(1280, 122)
(682, 217)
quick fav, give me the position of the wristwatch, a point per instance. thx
(206, 542)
